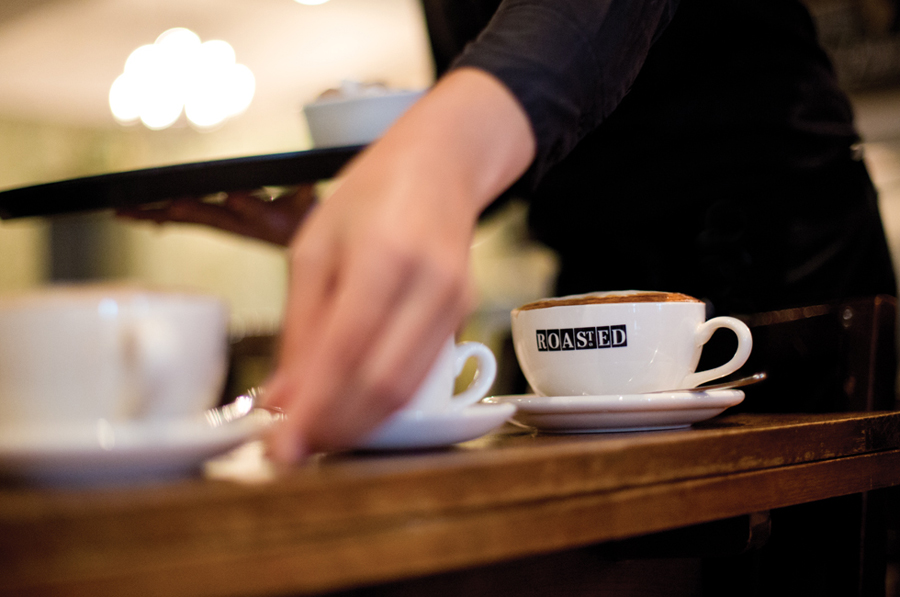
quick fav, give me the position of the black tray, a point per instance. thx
(136, 187)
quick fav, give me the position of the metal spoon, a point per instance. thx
(735, 383)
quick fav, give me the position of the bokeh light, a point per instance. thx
(179, 73)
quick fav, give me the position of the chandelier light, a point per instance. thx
(177, 73)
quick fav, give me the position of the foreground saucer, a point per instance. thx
(418, 430)
(628, 412)
(109, 452)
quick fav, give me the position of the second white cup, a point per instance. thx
(436, 393)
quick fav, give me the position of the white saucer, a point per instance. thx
(631, 412)
(113, 452)
(418, 430)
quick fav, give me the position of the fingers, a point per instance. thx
(314, 267)
(322, 356)
(190, 211)
(381, 317)
(295, 207)
(244, 213)
(436, 298)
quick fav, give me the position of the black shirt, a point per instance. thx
(700, 146)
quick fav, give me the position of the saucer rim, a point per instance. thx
(74, 439)
(180, 454)
(466, 412)
(656, 420)
(491, 415)
(622, 403)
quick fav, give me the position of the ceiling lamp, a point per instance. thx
(176, 74)
(312, 2)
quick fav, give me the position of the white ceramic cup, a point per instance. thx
(356, 119)
(572, 346)
(72, 354)
(436, 393)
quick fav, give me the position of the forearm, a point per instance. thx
(469, 136)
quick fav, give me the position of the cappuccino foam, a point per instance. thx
(610, 298)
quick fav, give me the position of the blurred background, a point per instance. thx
(60, 58)
(58, 61)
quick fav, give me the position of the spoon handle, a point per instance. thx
(735, 383)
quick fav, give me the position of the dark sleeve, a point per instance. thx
(568, 62)
(452, 24)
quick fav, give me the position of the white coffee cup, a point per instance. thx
(73, 354)
(436, 393)
(615, 343)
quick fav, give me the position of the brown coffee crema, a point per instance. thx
(605, 299)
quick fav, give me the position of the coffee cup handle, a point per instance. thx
(487, 372)
(155, 351)
(704, 333)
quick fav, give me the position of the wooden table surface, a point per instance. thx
(347, 520)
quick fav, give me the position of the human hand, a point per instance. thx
(252, 214)
(379, 272)
(379, 281)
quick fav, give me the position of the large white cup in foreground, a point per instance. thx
(435, 394)
(627, 342)
(75, 354)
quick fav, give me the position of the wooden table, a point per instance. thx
(351, 520)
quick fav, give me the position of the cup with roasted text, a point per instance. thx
(619, 343)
